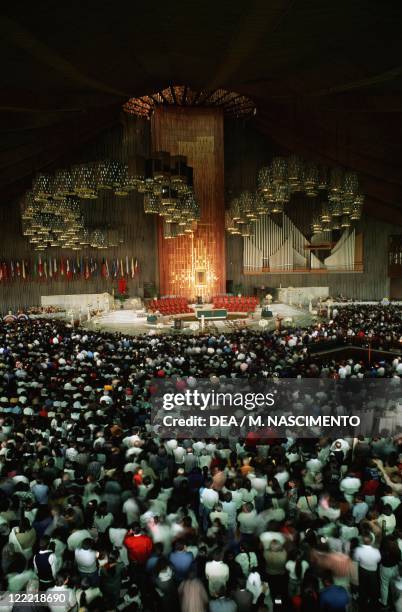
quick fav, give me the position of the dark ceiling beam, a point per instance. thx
(332, 143)
(368, 102)
(369, 81)
(260, 19)
(21, 38)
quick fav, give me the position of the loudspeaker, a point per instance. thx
(229, 286)
(178, 324)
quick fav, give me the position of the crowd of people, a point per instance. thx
(94, 505)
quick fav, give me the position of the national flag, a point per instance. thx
(103, 269)
(87, 271)
(18, 268)
(127, 268)
(50, 267)
(136, 267)
(121, 268)
(40, 267)
(12, 269)
(69, 272)
(23, 271)
(132, 268)
(62, 267)
(4, 271)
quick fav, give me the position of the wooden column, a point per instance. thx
(186, 261)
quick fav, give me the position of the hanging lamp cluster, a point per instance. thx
(338, 189)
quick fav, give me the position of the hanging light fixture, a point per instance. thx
(350, 184)
(310, 179)
(152, 204)
(357, 208)
(325, 216)
(295, 173)
(345, 221)
(279, 170)
(316, 226)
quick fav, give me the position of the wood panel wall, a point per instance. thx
(196, 133)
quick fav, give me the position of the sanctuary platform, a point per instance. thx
(134, 322)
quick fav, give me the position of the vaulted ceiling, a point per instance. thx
(326, 77)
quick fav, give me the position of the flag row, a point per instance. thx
(68, 268)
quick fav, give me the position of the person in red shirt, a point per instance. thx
(139, 546)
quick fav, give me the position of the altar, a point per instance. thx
(80, 301)
(302, 295)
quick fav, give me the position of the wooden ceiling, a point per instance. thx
(326, 77)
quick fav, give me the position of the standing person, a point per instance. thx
(333, 598)
(222, 603)
(217, 573)
(389, 567)
(208, 500)
(111, 575)
(368, 559)
(139, 546)
(275, 565)
(45, 564)
(296, 566)
(86, 560)
(181, 560)
(165, 586)
(193, 596)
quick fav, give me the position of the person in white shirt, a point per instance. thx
(307, 503)
(229, 507)
(391, 499)
(368, 559)
(208, 498)
(359, 509)
(77, 537)
(387, 520)
(179, 453)
(217, 573)
(103, 519)
(86, 561)
(246, 559)
(219, 514)
(350, 485)
(282, 477)
(247, 519)
(131, 510)
(68, 599)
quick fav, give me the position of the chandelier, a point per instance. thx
(167, 184)
(51, 212)
(338, 189)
